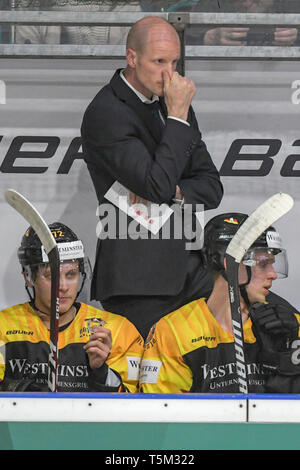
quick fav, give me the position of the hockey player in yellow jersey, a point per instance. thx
(192, 349)
(98, 351)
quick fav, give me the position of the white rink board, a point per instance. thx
(160, 410)
(285, 410)
(203, 409)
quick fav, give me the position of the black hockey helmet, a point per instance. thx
(32, 253)
(220, 230)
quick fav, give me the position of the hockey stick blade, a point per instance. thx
(262, 218)
(35, 220)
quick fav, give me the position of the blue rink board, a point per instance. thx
(129, 396)
(165, 396)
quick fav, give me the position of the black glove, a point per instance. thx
(22, 385)
(275, 328)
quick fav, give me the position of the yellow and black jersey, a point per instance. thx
(24, 348)
(188, 351)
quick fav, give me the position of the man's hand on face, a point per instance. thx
(98, 347)
(178, 93)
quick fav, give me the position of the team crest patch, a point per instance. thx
(231, 221)
(93, 323)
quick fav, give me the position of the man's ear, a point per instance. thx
(131, 56)
(224, 263)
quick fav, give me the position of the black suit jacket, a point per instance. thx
(122, 141)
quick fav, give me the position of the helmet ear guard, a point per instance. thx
(218, 233)
(28, 276)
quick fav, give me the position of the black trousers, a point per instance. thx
(145, 310)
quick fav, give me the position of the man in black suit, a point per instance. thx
(159, 156)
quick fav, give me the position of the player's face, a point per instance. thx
(262, 277)
(68, 287)
(161, 52)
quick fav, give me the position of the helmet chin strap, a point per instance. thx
(29, 294)
(242, 287)
(32, 300)
(244, 294)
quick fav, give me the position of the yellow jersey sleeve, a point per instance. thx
(163, 369)
(2, 358)
(126, 354)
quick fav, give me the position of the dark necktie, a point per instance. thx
(155, 108)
